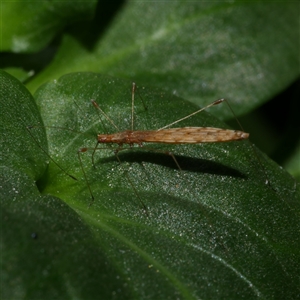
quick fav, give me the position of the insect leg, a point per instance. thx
(82, 150)
(28, 128)
(130, 181)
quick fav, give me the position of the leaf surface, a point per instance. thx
(201, 51)
(214, 222)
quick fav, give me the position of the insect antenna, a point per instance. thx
(194, 113)
(240, 125)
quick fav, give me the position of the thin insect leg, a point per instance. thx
(82, 150)
(133, 90)
(256, 154)
(96, 148)
(47, 154)
(254, 150)
(95, 104)
(93, 155)
(130, 181)
(216, 103)
(267, 182)
(237, 120)
(174, 158)
(85, 116)
(143, 102)
(132, 104)
(194, 113)
(153, 150)
(164, 152)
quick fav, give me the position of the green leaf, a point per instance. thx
(202, 51)
(213, 223)
(28, 26)
(47, 251)
(293, 163)
(18, 73)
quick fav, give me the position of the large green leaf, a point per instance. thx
(242, 51)
(213, 230)
(293, 164)
(47, 252)
(27, 26)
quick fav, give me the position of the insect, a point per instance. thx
(125, 140)
(164, 135)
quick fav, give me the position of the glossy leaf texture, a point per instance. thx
(243, 51)
(29, 26)
(214, 222)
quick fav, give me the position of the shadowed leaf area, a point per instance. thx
(213, 223)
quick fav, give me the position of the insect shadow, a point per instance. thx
(190, 164)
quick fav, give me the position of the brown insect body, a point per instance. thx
(183, 135)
